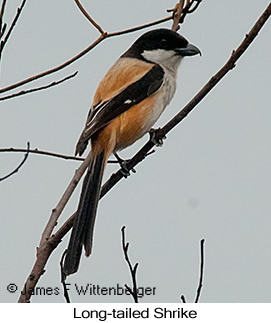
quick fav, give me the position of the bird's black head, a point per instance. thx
(160, 43)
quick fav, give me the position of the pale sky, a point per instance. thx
(211, 179)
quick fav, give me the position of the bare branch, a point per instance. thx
(89, 18)
(189, 8)
(183, 299)
(131, 30)
(3, 30)
(19, 11)
(38, 88)
(19, 166)
(82, 53)
(51, 154)
(201, 270)
(181, 10)
(230, 64)
(40, 152)
(43, 254)
(192, 8)
(102, 37)
(55, 69)
(132, 269)
(1, 18)
(47, 248)
(64, 200)
(177, 13)
(200, 275)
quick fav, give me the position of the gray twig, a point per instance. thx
(125, 246)
(19, 11)
(14, 95)
(201, 270)
(19, 166)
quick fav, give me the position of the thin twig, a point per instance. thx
(132, 269)
(41, 152)
(2, 16)
(89, 18)
(19, 166)
(82, 53)
(177, 15)
(38, 88)
(201, 271)
(19, 11)
(189, 8)
(51, 154)
(45, 251)
(195, 7)
(3, 30)
(200, 275)
(63, 278)
(55, 69)
(181, 10)
(183, 299)
(131, 30)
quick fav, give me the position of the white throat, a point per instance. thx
(166, 58)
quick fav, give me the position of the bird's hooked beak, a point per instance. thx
(189, 50)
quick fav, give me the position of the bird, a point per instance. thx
(127, 103)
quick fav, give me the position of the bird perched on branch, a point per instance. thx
(128, 101)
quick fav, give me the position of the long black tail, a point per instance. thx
(82, 232)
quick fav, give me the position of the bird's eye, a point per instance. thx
(163, 42)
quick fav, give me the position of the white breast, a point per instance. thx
(163, 98)
(149, 113)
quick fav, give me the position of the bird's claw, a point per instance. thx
(123, 166)
(154, 133)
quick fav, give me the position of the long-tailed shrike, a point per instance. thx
(128, 101)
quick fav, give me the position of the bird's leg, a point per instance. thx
(123, 164)
(153, 137)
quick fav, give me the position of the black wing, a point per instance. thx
(104, 112)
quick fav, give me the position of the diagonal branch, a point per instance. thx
(19, 11)
(55, 69)
(82, 53)
(19, 166)
(104, 35)
(44, 87)
(48, 247)
(3, 30)
(177, 15)
(181, 10)
(192, 8)
(140, 27)
(64, 200)
(230, 64)
(1, 17)
(89, 18)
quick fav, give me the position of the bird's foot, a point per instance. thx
(123, 165)
(155, 137)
